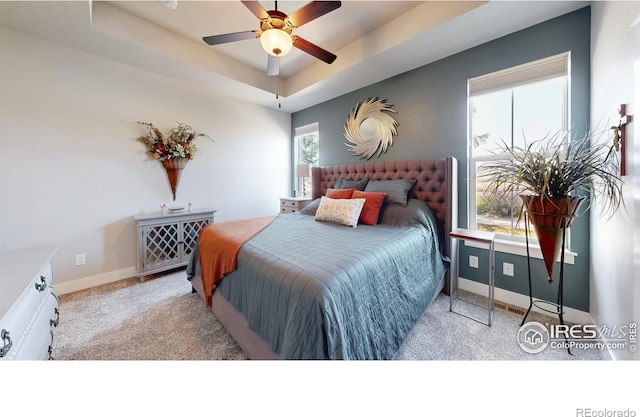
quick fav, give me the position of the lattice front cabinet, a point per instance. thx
(167, 241)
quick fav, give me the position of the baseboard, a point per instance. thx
(521, 302)
(94, 280)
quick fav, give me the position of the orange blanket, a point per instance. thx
(219, 246)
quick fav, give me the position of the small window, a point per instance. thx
(307, 152)
(513, 107)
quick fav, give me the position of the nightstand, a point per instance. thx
(293, 204)
(488, 239)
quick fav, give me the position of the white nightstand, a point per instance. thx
(293, 204)
(480, 237)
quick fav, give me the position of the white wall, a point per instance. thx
(73, 174)
(615, 54)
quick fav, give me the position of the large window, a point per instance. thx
(514, 107)
(307, 152)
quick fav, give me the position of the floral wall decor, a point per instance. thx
(173, 150)
(370, 127)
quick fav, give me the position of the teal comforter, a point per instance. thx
(316, 290)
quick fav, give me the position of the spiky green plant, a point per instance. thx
(555, 167)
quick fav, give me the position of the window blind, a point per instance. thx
(305, 130)
(540, 70)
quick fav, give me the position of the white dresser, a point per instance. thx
(28, 304)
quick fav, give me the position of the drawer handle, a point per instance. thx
(43, 286)
(50, 350)
(55, 322)
(7, 343)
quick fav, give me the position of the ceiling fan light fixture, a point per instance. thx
(276, 42)
(170, 4)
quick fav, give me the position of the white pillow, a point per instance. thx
(340, 211)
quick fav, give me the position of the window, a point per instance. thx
(516, 106)
(307, 152)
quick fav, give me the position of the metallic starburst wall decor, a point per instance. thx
(370, 127)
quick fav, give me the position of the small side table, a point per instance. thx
(481, 237)
(293, 204)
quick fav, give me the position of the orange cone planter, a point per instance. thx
(549, 217)
(174, 167)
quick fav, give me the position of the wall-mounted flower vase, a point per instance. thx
(174, 168)
(173, 150)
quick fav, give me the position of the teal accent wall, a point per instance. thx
(431, 105)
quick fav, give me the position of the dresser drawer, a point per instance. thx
(32, 296)
(29, 306)
(290, 204)
(30, 333)
(37, 341)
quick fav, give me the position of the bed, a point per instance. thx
(308, 289)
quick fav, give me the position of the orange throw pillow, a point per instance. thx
(340, 193)
(371, 210)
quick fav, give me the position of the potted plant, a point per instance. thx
(173, 150)
(553, 177)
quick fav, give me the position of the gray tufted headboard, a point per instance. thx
(436, 183)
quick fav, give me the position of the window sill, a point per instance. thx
(520, 248)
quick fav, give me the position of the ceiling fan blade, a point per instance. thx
(312, 11)
(230, 37)
(273, 65)
(257, 9)
(312, 49)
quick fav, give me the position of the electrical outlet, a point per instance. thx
(473, 261)
(81, 259)
(507, 269)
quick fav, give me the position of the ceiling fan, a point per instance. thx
(275, 32)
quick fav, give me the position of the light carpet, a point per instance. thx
(161, 319)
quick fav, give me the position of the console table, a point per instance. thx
(165, 241)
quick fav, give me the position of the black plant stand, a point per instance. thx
(558, 307)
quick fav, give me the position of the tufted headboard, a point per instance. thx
(436, 183)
